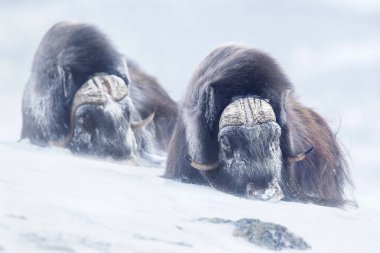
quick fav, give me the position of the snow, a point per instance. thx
(51, 200)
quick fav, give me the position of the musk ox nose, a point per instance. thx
(272, 191)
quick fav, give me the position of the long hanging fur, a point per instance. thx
(232, 71)
(70, 54)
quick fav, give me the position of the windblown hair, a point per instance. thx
(232, 71)
(148, 96)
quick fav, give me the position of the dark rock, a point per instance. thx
(264, 234)
(268, 235)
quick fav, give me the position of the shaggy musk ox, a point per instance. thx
(81, 95)
(242, 130)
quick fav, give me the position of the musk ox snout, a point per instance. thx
(252, 156)
(98, 131)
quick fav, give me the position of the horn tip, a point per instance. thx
(309, 151)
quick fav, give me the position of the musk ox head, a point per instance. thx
(250, 156)
(100, 119)
(79, 96)
(249, 147)
(241, 130)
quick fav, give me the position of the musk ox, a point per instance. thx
(81, 95)
(241, 130)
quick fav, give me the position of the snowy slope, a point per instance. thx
(53, 201)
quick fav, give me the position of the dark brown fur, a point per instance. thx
(149, 96)
(69, 55)
(323, 175)
(231, 71)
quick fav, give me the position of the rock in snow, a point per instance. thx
(268, 235)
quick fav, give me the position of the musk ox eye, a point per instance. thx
(86, 123)
(225, 145)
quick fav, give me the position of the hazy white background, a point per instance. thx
(52, 200)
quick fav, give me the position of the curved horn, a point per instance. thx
(144, 122)
(301, 156)
(200, 166)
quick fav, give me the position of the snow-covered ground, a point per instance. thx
(53, 201)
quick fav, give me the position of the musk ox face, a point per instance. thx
(100, 119)
(249, 148)
(81, 95)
